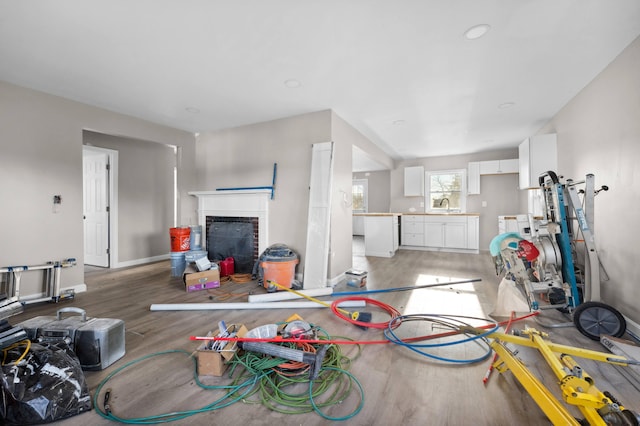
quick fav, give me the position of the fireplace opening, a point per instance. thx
(235, 237)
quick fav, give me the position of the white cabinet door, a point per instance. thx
(379, 236)
(498, 167)
(537, 154)
(473, 178)
(412, 227)
(434, 234)
(409, 239)
(509, 166)
(412, 230)
(455, 234)
(414, 181)
(473, 232)
(446, 231)
(489, 167)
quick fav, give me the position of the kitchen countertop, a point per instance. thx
(416, 214)
(442, 214)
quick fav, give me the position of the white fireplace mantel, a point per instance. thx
(236, 203)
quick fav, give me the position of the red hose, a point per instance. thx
(339, 312)
(357, 342)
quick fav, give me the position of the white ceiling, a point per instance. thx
(401, 72)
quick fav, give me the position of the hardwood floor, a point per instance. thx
(401, 387)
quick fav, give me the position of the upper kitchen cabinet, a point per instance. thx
(414, 181)
(492, 167)
(537, 154)
(497, 167)
(473, 178)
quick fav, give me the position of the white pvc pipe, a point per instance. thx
(243, 305)
(287, 295)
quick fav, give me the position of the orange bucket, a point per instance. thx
(180, 239)
(281, 272)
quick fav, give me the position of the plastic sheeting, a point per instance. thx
(510, 299)
(45, 386)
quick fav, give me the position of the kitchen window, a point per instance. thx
(446, 191)
(359, 195)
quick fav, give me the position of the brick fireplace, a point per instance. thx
(245, 208)
(237, 237)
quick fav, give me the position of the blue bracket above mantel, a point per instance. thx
(252, 188)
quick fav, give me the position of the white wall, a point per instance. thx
(345, 137)
(599, 132)
(41, 156)
(378, 183)
(244, 157)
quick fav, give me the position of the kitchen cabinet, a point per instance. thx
(414, 181)
(412, 230)
(496, 167)
(536, 155)
(446, 231)
(434, 233)
(515, 223)
(381, 234)
(492, 167)
(473, 178)
(441, 231)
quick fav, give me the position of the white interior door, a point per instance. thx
(96, 207)
(316, 262)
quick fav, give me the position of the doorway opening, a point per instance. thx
(99, 178)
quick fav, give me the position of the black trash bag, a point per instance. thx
(45, 386)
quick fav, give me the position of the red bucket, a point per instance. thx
(180, 239)
(227, 267)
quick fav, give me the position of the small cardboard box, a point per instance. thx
(195, 281)
(214, 363)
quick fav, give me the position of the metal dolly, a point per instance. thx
(544, 268)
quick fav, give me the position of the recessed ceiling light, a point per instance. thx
(292, 83)
(192, 110)
(476, 31)
(506, 105)
(398, 122)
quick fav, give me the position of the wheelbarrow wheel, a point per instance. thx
(595, 318)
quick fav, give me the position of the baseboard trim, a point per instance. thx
(142, 261)
(332, 282)
(443, 249)
(79, 288)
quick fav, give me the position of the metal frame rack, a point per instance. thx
(51, 281)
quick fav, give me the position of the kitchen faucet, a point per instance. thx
(442, 201)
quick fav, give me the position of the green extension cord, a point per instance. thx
(259, 376)
(282, 393)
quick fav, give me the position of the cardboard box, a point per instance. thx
(195, 281)
(214, 363)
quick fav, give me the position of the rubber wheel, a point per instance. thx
(631, 417)
(594, 318)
